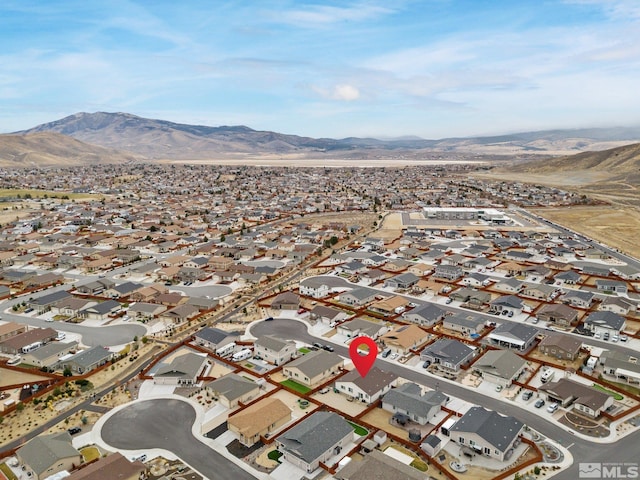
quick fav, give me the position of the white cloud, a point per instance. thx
(342, 92)
(322, 15)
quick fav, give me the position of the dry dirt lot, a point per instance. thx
(618, 227)
(11, 377)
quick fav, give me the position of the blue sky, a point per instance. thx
(431, 68)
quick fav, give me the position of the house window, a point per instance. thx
(487, 451)
(461, 440)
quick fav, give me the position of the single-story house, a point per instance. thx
(260, 419)
(514, 335)
(315, 439)
(587, 400)
(403, 338)
(488, 433)
(366, 389)
(605, 322)
(560, 346)
(448, 354)
(182, 371)
(45, 455)
(274, 350)
(409, 402)
(313, 368)
(501, 367)
(233, 389)
(558, 314)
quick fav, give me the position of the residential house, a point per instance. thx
(327, 315)
(10, 329)
(578, 298)
(313, 368)
(514, 335)
(471, 298)
(274, 350)
(448, 354)
(259, 420)
(316, 439)
(619, 305)
(560, 346)
(622, 366)
(605, 322)
(509, 303)
(540, 291)
(145, 311)
(286, 301)
(24, 341)
(233, 389)
(371, 277)
(87, 360)
(425, 315)
(180, 314)
(463, 323)
(604, 285)
(181, 371)
(584, 398)
(409, 402)
(71, 307)
(476, 280)
(357, 297)
(403, 338)
(501, 367)
(101, 311)
(45, 455)
(558, 314)
(114, 466)
(378, 465)
(44, 303)
(389, 306)
(509, 285)
(359, 326)
(487, 433)
(48, 356)
(216, 340)
(448, 272)
(96, 287)
(568, 277)
(367, 389)
(314, 287)
(404, 281)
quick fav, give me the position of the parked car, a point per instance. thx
(74, 430)
(539, 403)
(527, 395)
(318, 345)
(268, 319)
(328, 348)
(552, 407)
(426, 364)
(448, 301)
(623, 338)
(324, 390)
(386, 352)
(498, 388)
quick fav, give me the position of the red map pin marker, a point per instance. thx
(363, 363)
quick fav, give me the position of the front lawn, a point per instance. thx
(359, 430)
(274, 455)
(4, 468)
(303, 350)
(90, 454)
(296, 386)
(615, 395)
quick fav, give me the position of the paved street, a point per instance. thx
(166, 424)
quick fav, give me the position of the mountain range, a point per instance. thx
(160, 139)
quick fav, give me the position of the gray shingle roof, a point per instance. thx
(45, 451)
(315, 435)
(447, 350)
(212, 335)
(89, 358)
(314, 363)
(606, 320)
(501, 363)
(373, 383)
(497, 430)
(409, 398)
(232, 386)
(273, 343)
(185, 366)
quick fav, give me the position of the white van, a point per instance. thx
(242, 355)
(547, 375)
(591, 363)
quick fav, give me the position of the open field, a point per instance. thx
(618, 227)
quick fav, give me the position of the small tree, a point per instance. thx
(67, 372)
(20, 407)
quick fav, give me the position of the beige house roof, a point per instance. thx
(257, 418)
(405, 336)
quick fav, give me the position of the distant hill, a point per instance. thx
(49, 148)
(160, 139)
(617, 163)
